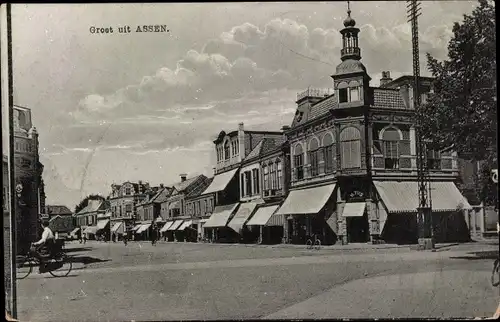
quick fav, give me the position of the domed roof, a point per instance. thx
(349, 22)
(350, 66)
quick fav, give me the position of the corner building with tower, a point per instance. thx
(353, 162)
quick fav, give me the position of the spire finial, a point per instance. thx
(348, 8)
(349, 22)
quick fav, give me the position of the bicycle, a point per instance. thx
(496, 271)
(316, 244)
(58, 265)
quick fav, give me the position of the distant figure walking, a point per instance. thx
(153, 236)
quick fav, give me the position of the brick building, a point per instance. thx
(353, 160)
(124, 200)
(231, 149)
(28, 179)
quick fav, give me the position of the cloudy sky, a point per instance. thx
(116, 107)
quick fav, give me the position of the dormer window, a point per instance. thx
(299, 116)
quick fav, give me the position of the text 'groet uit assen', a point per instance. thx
(128, 29)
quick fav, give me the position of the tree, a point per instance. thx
(85, 201)
(462, 111)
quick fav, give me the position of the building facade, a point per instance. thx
(124, 200)
(30, 195)
(231, 149)
(353, 160)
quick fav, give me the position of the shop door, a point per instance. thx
(358, 229)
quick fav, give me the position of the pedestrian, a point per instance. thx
(84, 238)
(153, 236)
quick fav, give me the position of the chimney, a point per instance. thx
(215, 170)
(161, 185)
(241, 126)
(386, 78)
(183, 177)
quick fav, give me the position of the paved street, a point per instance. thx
(202, 281)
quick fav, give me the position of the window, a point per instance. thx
(128, 192)
(242, 184)
(120, 210)
(128, 208)
(226, 150)
(354, 94)
(272, 171)
(343, 97)
(248, 183)
(266, 177)
(255, 177)
(279, 172)
(199, 208)
(298, 162)
(210, 206)
(350, 145)
(328, 153)
(433, 160)
(313, 157)
(391, 150)
(237, 146)
(205, 210)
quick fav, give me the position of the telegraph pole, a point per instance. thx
(424, 211)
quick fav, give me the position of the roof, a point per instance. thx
(162, 195)
(92, 206)
(349, 66)
(317, 110)
(195, 192)
(265, 145)
(58, 210)
(183, 185)
(390, 98)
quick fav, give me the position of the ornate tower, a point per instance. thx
(351, 81)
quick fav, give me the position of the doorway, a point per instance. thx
(358, 230)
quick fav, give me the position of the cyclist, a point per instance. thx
(45, 246)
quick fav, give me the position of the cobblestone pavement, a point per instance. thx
(176, 281)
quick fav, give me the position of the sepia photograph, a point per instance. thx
(250, 160)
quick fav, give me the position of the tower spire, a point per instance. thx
(350, 48)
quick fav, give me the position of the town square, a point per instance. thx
(308, 160)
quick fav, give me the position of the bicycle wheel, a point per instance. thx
(309, 244)
(24, 267)
(317, 244)
(64, 269)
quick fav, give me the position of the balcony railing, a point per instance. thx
(350, 51)
(315, 92)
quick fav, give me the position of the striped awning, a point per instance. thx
(101, 224)
(143, 228)
(262, 215)
(185, 225)
(116, 226)
(220, 181)
(90, 230)
(136, 227)
(175, 225)
(244, 212)
(74, 231)
(306, 201)
(354, 209)
(401, 197)
(276, 220)
(166, 226)
(220, 216)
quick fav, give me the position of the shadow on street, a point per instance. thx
(78, 249)
(87, 259)
(492, 254)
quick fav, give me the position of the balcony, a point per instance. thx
(315, 92)
(350, 51)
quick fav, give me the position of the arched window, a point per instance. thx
(391, 139)
(226, 150)
(279, 173)
(350, 148)
(314, 156)
(329, 153)
(298, 162)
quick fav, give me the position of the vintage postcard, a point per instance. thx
(250, 160)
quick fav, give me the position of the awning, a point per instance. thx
(74, 231)
(244, 212)
(143, 228)
(166, 226)
(220, 216)
(276, 220)
(354, 209)
(174, 205)
(136, 227)
(202, 221)
(90, 230)
(185, 225)
(401, 197)
(220, 181)
(101, 224)
(118, 227)
(159, 219)
(262, 215)
(175, 225)
(306, 201)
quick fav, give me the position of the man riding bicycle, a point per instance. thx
(44, 248)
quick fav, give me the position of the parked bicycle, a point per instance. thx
(313, 243)
(58, 265)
